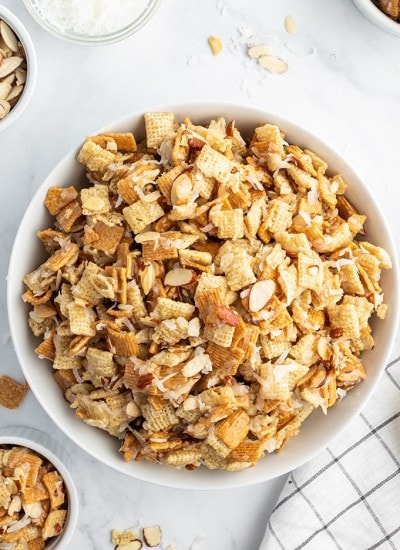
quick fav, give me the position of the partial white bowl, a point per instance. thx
(31, 63)
(378, 17)
(130, 26)
(54, 453)
(316, 432)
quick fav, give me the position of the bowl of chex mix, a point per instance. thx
(194, 286)
(38, 499)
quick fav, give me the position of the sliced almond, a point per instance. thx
(260, 294)
(5, 89)
(33, 509)
(178, 276)
(15, 505)
(147, 277)
(147, 236)
(15, 92)
(4, 49)
(9, 65)
(4, 108)
(260, 49)
(10, 78)
(290, 24)
(324, 351)
(132, 409)
(20, 75)
(152, 535)
(8, 36)
(44, 311)
(273, 64)
(181, 190)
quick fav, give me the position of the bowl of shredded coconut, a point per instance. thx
(92, 22)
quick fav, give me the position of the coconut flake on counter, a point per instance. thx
(300, 51)
(193, 60)
(221, 7)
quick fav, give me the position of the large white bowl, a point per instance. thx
(316, 432)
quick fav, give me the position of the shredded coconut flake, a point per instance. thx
(77, 376)
(306, 216)
(193, 60)
(160, 383)
(207, 228)
(343, 261)
(89, 17)
(340, 393)
(313, 195)
(20, 524)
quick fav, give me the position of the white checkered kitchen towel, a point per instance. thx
(348, 497)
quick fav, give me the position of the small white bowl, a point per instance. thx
(130, 26)
(54, 453)
(22, 34)
(378, 17)
(317, 432)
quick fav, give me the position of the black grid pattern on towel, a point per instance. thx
(329, 526)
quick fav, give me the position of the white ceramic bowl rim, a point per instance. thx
(30, 438)
(316, 432)
(101, 39)
(31, 62)
(378, 17)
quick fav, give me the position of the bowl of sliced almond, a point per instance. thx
(17, 68)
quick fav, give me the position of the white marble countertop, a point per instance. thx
(342, 83)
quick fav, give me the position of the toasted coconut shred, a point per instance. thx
(205, 295)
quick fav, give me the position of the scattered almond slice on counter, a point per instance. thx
(260, 49)
(263, 54)
(273, 64)
(152, 535)
(11, 392)
(130, 540)
(215, 44)
(290, 24)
